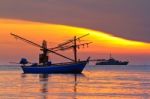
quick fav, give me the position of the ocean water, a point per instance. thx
(96, 82)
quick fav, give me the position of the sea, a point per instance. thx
(95, 82)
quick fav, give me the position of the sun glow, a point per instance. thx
(102, 42)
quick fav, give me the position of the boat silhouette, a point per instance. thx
(111, 61)
(45, 66)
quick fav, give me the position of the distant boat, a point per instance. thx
(111, 61)
(45, 66)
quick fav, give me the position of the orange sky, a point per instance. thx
(35, 31)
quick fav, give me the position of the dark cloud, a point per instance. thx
(124, 18)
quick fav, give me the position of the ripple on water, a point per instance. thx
(94, 83)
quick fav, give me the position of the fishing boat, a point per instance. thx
(56, 68)
(45, 66)
(111, 61)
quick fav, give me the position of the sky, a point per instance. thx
(13, 49)
(120, 27)
(124, 18)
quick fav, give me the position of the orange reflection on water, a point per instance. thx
(95, 82)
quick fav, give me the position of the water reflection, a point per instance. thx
(76, 83)
(75, 86)
(95, 83)
(52, 85)
(43, 79)
(23, 75)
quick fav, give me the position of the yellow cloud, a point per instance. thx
(102, 42)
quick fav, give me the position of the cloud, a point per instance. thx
(124, 18)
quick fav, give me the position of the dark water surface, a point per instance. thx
(96, 82)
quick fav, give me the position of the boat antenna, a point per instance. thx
(110, 56)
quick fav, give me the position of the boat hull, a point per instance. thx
(111, 63)
(65, 68)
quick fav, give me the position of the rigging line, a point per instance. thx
(70, 41)
(30, 42)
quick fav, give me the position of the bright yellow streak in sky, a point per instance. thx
(102, 42)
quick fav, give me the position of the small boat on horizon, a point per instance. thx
(45, 66)
(111, 61)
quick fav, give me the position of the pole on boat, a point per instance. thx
(65, 45)
(68, 42)
(43, 47)
(75, 49)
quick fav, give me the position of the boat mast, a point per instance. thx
(43, 47)
(75, 49)
(71, 44)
